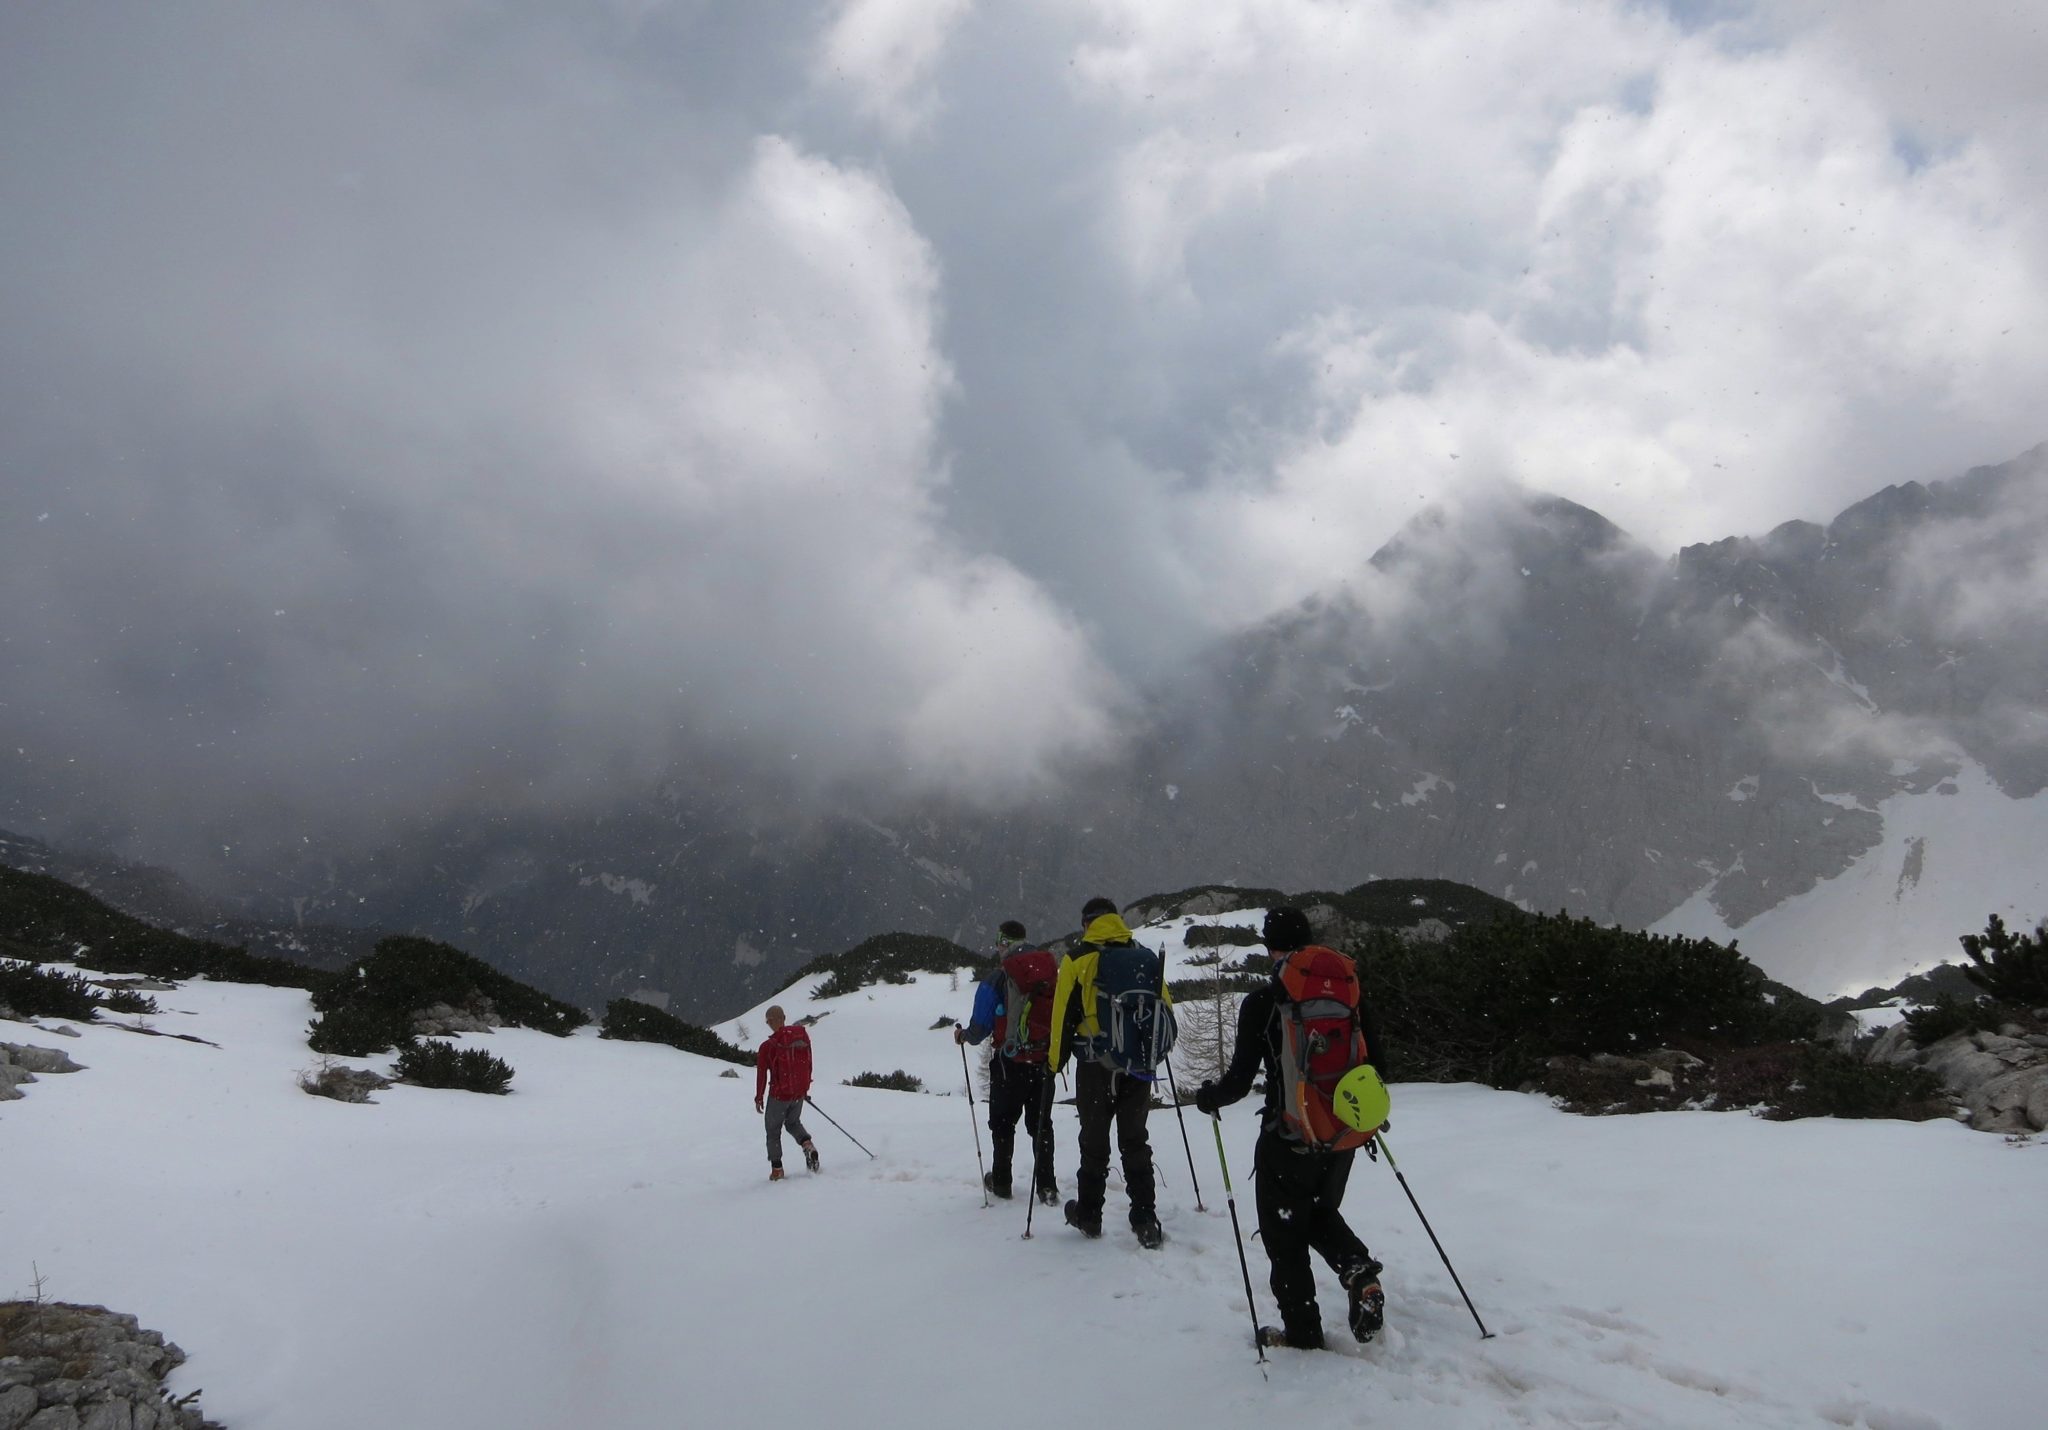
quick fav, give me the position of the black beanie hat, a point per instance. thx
(1095, 908)
(1286, 929)
(1012, 930)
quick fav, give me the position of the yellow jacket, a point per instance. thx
(1077, 987)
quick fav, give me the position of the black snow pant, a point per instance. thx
(1300, 1196)
(1103, 1097)
(1017, 1089)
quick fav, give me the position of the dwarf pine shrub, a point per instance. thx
(356, 1030)
(36, 992)
(381, 991)
(631, 1021)
(897, 1081)
(1493, 1002)
(2012, 968)
(432, 1062)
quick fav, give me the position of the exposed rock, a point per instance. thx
(2001, 1079)
(1672, 1059)
(1427, 931)
(39, 1060)
(442, 1020)
(343, 1084)
(19, 1065)
(66, 1367)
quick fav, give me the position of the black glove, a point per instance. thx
(1208, 1098)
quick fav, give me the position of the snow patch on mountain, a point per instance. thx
(638, 890)
(1944, 865)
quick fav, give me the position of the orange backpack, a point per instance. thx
(1320, 1041)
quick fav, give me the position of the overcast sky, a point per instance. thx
(413, 401)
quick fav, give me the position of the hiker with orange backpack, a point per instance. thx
(1307, 1028)
(782, 1071)
(1013, 1003)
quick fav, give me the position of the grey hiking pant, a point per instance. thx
(778, 1116)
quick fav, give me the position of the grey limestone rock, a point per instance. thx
(17, 1404)
(39, 1060)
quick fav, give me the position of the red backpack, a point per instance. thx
(1030, 977)
(1320, 1041)
(791, 1062)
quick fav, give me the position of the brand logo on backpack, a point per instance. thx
(1320, 1042)
(1030, 977)
(1137, 1023)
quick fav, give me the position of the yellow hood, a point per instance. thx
(1107, 928)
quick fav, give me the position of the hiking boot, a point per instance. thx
(1300, 1340)
(1049, 1194)
(995, 1188)
(1368, 1309)
(1151, 1235)
(1088, 1226)
(811, 1156)
(775, 1174)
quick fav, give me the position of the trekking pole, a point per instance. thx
(979, 1164)
(1040, 1137)
(1484, 1334)
(835, 1122)
(1182, 1117)
(1216, 1118)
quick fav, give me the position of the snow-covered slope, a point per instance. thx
(1945, 864)
(600, 1248)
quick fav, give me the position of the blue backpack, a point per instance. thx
(1137, 1023)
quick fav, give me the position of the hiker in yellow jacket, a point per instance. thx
(1111, 1014)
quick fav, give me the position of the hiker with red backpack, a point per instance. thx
(782, 1071)
(1112, 1015)
(1013, 1003)
(1308, 1028)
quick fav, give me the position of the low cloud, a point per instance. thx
(416, 407)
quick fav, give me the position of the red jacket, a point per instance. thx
(782, 1064)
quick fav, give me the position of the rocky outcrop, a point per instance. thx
(19, 1064)
(443, 1020)
(343, 1084)
(2001, 1077)
(65, 1367)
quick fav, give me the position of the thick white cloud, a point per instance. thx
(579, 380)
(1699, 285)
(884, 52)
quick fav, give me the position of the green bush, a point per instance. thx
(2011, 968)
(402, 975)
(897, 1081)
(631, 1021)
(1814, 1080)
(889, 958)
(44, 993)
(435, 1063)
(127, 1000)
(357, 1030)
(1946, 1016)
(1492, 1002)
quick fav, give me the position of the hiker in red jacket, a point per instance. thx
(782, 1070)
